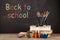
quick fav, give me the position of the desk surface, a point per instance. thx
(14, 37)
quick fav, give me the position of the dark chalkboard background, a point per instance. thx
(18, 25)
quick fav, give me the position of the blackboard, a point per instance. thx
(18, 15)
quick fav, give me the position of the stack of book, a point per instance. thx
(42, 31)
